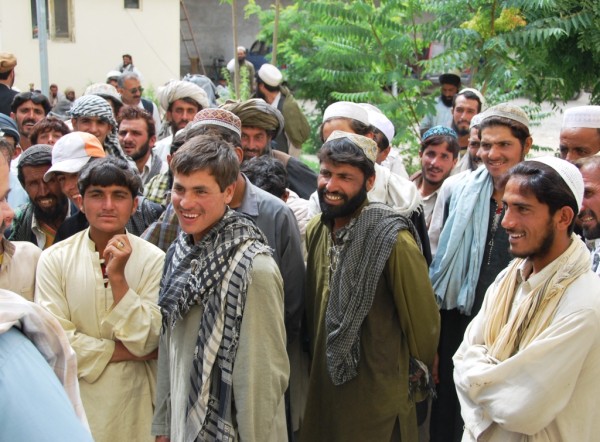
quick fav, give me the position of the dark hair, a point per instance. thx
(382, 141)
(34, 156)
(6, 150)
(188, 100)
(344, 151)
(210, 153)
(109, 171)
(441, 139)
(267, 86)
(127, 55)
(518, 130)
(5, 75)
(546, 185)
(357, 127)
(135, 113)
(36, 97)
(48, 124)
(267, 173)
(211, 129)
(469, 95)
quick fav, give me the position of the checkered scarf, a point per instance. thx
(215, 273)
(364, 247)
(96, 106)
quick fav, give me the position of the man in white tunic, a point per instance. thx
(102, 285)
(530, 360)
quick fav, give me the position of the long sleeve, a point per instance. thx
(261, 372)
(93, 354)
(161, 420)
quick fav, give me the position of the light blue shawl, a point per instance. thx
(454, 271)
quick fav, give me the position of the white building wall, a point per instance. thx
(102, 31)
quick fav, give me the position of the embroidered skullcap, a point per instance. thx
(7, 62)
(38, 154)
(9, 127)
(218, 117)
(379, 120)
(476, 120)
(568, 172)
(439, 130)
(104, 90)
(509, 111)
(258, 113)
(178, 89)
(367, 145)
(476, 92)
(270, 75)
(582, 116)
(346, 109)
(93, 106)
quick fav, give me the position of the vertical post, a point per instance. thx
(236, 71)
(43, 42)
(275, 33)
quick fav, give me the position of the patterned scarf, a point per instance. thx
(359, 256)
(506, 334)
(215, 272)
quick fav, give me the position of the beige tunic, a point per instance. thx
(117, 397)
(17, 272)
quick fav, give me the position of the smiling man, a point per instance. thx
(580, 133)
(438, 155)
(102, 285)
(529, 362)
(473, 249)
(366, 327)
(38, 220)
(223, 367)
(589, 215)
(27, 109)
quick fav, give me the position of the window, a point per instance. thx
(132, 4)
(58, 19)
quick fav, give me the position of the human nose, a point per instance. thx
(571, 156)
(508, 221)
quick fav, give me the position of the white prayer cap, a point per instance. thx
(476, 120)
(568, 172)
(476, 92)
(379, 120)
(506, 110)
(582, 116)
(346, 109)
(270, 75)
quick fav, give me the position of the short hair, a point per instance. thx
(210, 153)
(344, 151)
(381, 139)
(136, 113)
(34, 156)
(267, 86)
(518, 130)
(126, 76)
(188, 100)
(6, 150)
(546, 185)
(469, 95)
(357, 127)
(127, 55)
(212, 129)
(36, 97)
(109, 171)
(5, 75)
(48, 124)
(441, 139)
(267, 173)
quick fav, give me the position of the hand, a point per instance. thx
(116, 254)
(121, 353)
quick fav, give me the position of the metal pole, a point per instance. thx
(43, 42)
(275, 34)
(236, 71)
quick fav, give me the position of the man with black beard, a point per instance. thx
(370, 307)
(589, 216)
(38, 220)
(465, 105)
(449, 86)
(243, 64)
(137, 135)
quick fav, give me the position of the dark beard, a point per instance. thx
(447, 100)
(460, 132)
(57, 212)
(140, 153)
(329, 213)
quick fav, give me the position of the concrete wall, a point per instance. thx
(212, 26)
(103, 31)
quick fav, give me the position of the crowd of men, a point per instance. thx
(177, 273)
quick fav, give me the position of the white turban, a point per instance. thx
(177, 90)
